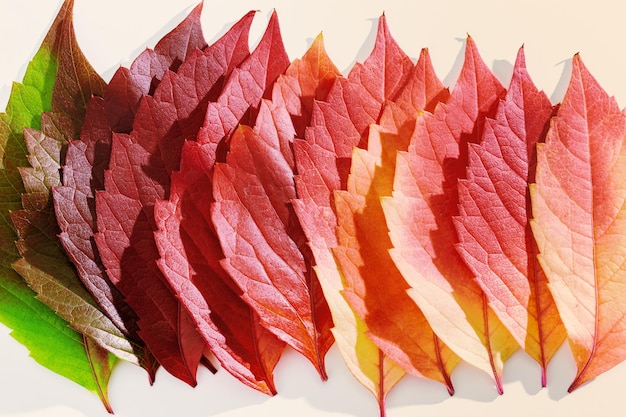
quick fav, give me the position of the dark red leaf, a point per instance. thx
(74, 204)
(138, 176)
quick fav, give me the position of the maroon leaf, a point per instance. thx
(74, 205)
(43, 263)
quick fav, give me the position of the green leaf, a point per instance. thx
(50, 341)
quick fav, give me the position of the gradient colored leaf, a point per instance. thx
(87, 159)
(578, 222)
(419, 217)
(33, 323)
(322, 161)
(43, 264)
(369, 365)
(305, 81)
(74, 205)
(493, 223)
(363, 247)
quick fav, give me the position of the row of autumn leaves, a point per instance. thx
(215, 203)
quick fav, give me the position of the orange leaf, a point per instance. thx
(338, 124)
(362, 254)
(579, 222)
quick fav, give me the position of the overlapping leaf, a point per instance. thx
(494, 206)
(323, 161)
(419, 217)
(579, 222)
(218, 187)
(74, 207)
(253, 191)
(87, 159)
(362, 357)
(43, 264)
(363, 242)
(243, 348)
(34, 158)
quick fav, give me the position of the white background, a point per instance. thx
(112, 33)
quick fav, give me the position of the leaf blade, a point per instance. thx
(363, 242)
(495, 237)
(587, 137)
(190, 251)
(322, 161)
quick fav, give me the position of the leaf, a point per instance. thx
(578, 221)
(189, 246)
(493, 223)
(148, 155)
(305, 81)
(322, 161)
(246, 86)
(419, 217)
(33, 323)
(43, 264)
(363, 247)
(261, 239)
(129, 85)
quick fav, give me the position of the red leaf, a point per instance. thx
(189, 246)
(158, 122)
(578, 221)
(245, 88)
(337, 125)
(261, 238)
(179, 108)
(493, 226)
(129, 85)
(419, 217)
(306, 80)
